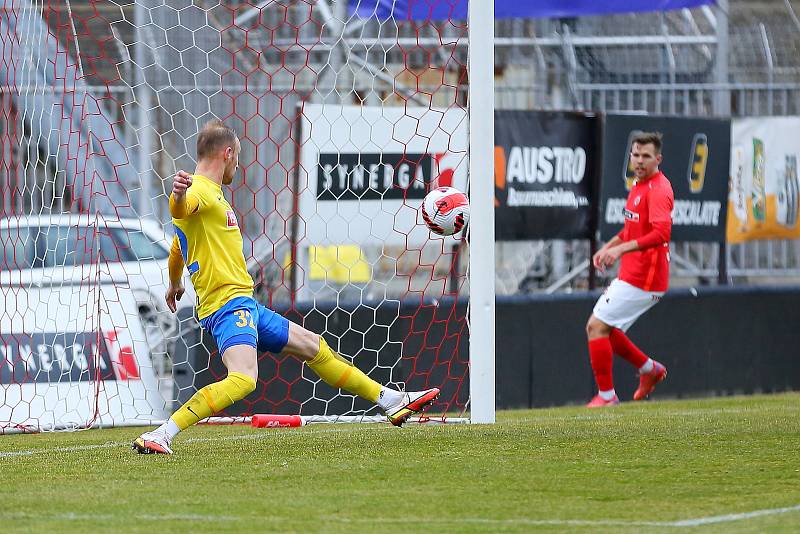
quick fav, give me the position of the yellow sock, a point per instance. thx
(341, 374)
(214, 398)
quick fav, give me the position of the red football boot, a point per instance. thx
(598, 402)
(648, 381)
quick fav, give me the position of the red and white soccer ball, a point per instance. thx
(445, 210)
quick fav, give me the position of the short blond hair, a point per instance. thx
(213, 137)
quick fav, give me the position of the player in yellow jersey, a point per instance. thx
(208, 242)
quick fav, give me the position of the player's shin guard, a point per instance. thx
(623, 346)
(601, 356)
(341, 374)
(214, 398)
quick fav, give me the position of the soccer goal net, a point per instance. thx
(348, 113)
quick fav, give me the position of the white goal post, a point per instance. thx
(481, 173)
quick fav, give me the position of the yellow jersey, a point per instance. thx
(208, 238)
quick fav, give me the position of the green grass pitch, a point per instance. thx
(714, 465)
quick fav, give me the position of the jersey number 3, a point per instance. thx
(244, 319)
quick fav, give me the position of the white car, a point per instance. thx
(44, 251)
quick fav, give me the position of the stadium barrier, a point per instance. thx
(715, 341)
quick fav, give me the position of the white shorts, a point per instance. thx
(621, 304)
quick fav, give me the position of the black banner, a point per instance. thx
(696, 161)
(373, 176)
(53, 357)
(545, 171)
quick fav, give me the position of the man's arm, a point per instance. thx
(660, 215)
(614, 241)
(181, 202)
(609, 254)
(661, 233)
(175, 263)
(596, 258)
(175, 266)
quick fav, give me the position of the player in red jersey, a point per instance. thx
(643, 250)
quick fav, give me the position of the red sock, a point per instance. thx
(601, 356)
(625, 348)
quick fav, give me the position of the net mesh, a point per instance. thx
(101, 104)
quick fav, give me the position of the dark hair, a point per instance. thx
(648, 138)
(213, 137)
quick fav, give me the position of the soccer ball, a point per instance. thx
(445, 210)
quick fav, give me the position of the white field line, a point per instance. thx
(687, 523)
(734, 517)
(114, 444)
(76, 448)
(105, 518)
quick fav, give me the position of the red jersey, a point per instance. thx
(650, 201)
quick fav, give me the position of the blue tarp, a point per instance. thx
(457, 9)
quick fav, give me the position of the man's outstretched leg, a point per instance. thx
(339, 373)
(240, 382)
(651, 372)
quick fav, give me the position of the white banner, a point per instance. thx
(764, 189)
(72, 355)
(365, 171)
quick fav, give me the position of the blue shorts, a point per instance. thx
(243, 321)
